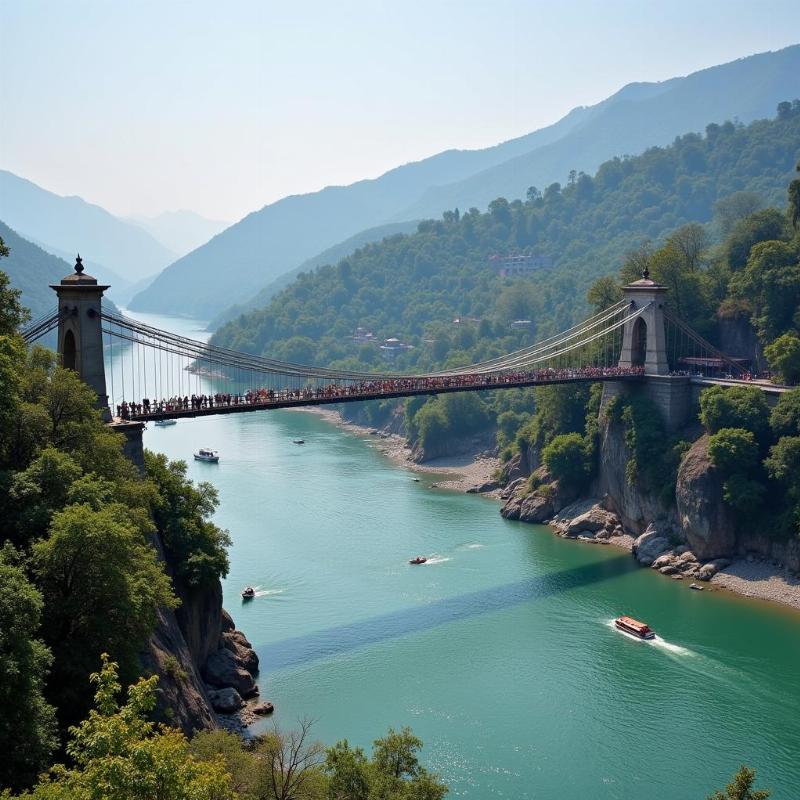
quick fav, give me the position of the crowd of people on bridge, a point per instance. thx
(263, 397)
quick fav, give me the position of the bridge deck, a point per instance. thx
(305, 402)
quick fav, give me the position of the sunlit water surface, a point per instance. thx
(499, 652)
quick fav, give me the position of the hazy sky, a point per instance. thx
(224, 106)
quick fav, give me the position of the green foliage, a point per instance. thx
(393, 772)
(741, 787)
(735, 407)
(181, 512)
(449, 415)
(567, 460)
(735, 453)
(785, 417)
(733, 450)
(783, 357)
(102, 585)
(27, 722)
(12, 314)
(118, 754)
(559, 409)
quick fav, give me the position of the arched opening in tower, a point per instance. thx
(68, 357)
(639, 343)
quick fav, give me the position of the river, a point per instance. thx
(499, 652)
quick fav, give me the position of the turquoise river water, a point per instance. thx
(499, 652)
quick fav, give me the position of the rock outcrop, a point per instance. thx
(649, 546)
(706, 520)
(180, 649)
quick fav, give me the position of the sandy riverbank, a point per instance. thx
(463, 472)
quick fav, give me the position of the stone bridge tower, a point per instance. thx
(80, 347)
(80, 335)
(644, 344)
(644, 340)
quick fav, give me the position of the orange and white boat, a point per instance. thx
(634, 627)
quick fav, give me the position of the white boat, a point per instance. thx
(206, 454)
(163, 423)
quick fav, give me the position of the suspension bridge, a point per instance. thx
(161, 375)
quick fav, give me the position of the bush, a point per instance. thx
(783, 356)
(736, 407)
(733, 450)
(567, 461)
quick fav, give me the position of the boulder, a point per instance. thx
(263, 709)
(649, 546)
(706, 520)
(225, 701)
(511, 508)
(595, 519)
(535, 508)
(222, 670)
(511, 488)
(237, 643)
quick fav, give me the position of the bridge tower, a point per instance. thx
(644, 340)
(80, 348)
(80, 335)
(644, 344)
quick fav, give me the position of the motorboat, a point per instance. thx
(248, 593)
(634, 627)
(696, 586)
(418, 560)
(165, 423)
(206, 454)
(298, 441)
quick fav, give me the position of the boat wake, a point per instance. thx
(473, 546)
(434, 559)
(662, 644)
(267, 592)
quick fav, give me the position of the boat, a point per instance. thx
(418, 560)
(298, 441)
(634, 627)
(206, 454)
(163, 423)
(696, 586)
(248, 593)
(416, 480)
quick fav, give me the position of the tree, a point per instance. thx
(604, 292)
(785, 417)
(12, 313)
(783, 357)
(181, 511)
(348, 771)
(118, 754)
(103, 586)
(27, 722)
(566, 459)
(741, 787)
(290, 765)
(737, 206)
(735, 407)
(794, 200)
(733, 450)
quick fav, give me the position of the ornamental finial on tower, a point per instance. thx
(78, 264)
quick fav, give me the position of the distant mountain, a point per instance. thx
(279, 237)
(180, 231)
(71, 225)
(32, 270)
(332, 255)
(627, 123)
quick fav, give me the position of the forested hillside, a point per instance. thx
(280, 236)
(414, 286)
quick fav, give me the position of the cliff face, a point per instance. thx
(706, 520)
(699, 521)
(204, 665)
(635, 507)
